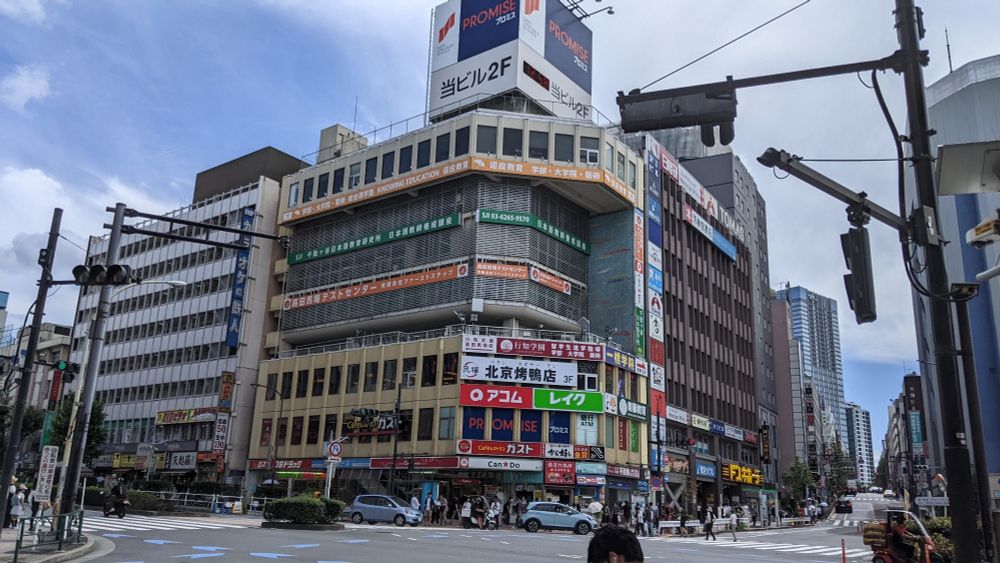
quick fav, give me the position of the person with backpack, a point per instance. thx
(709, 523)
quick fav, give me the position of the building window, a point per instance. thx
(513, 142)
(302, 384)
(405, 425)
(338, 181)
(538, 144)
(589, 151)
(563, 148)
(462, 141)
(307, 190)
(371, 170)
(266, 426)
(631, 174)
(371, 376)
(312, 431)
(428, 376)
(272, 387)
(633, 387)
(319, 381)
(620, 169)
(609, 379)
(330, 427)
(486, 139)
(322, 186)
(405, 159)
(446, 423)
(442, 147)
(353, 375)
(354, 178)
(425, 425)
(296, 431)
(586, 381)
(450, 374)
(286, 385)
(423, 153)
(610, 432)
(293, 194)
(282, 431)
(389, 374)
(388, 163)
(334, 380)
(409, 373)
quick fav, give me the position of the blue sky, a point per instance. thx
(107, 101)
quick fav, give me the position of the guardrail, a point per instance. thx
(216, 504)
(56, 530)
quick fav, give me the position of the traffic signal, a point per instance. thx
(116, 274)
(860, 283)
(665, 110)
(69, 370)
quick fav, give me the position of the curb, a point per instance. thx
(59, 556)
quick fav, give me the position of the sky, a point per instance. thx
(126, 101)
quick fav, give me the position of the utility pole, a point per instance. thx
(71, 473)
(909, 30)
(395, 437)
(46, 259)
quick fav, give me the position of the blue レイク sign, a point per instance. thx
(237, 296)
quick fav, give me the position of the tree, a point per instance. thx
(842, 468)
(882, 472)
(797, 478)
(96, 434)
(31, 423)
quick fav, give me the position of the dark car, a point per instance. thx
(844, 506)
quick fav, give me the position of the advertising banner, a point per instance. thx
(499, 448)
(182, 460)
(551, 281)
(508, 370)
(734, 432)
(586, 429)
(655, 256)
(717, 427)
(623, 471)
(654, 212)
(568, 43)
(591, 480)
(237, 296)
(481, 75)
(705, 469)
(548, 349)
(444, 41)
(485, 24)
(495, 396)
(765, 444)
(525, 219)
(592, 453)
(591, 468)
(574, 401)
(624, 407)
(657, 403)
(702, 422)
(624, 360)
(500, 464)
(418, 462)
(677, 415)
(559, 451)
(221, 432)
(502, 424)
(379, 238)
(560, 472)
(701, 225)
(559, 427)
(749, 437)
(531, 426)
(473, 422)
(654, 304)
(186, 416)
(657, 377)
(46, 472)
(656, 328)
(622, 434)
(655, 279)
(657, 353)
(479, 343)
(227, 386)
(384, 285)
(501, 270)
(742, 474)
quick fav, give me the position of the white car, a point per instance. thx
(888, 494)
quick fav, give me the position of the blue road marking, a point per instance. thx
(209, 548)
(160, 542)
(268, 555)
(302, 545)
(198, 555)
(352, 541)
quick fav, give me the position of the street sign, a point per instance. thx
(931, 501)
(333, 451)
(46, 472)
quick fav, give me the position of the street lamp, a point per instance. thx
(281, 409)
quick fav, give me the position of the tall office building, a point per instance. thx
(177, 361)
(4, 297)
(905, 444)
(964, 107)
(859, 442)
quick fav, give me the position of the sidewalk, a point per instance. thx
(45, 554)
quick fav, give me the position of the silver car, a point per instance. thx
(383, 508)
(555, 516)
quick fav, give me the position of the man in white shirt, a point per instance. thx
(415, 502)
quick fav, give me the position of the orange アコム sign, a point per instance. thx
(501, 270)
(384, 285)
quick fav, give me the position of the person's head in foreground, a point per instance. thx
(613, 544)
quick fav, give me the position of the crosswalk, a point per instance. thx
(797, 548)
(95, 522)
(842, 521)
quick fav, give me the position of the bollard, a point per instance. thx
(843, 551)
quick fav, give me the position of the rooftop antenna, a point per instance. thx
(947, 45)
(354, 125)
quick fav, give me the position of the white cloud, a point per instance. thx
(26, 11)
(24, 84)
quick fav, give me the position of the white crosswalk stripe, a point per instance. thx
(806, 549)
(97, 523)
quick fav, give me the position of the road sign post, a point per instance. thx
(333, 450)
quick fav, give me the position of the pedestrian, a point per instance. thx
(466, 513)
(640, 520)
(754, 512)
(496, 510)
(709, 523)
(522, 507)
(684, 521)
(650, 519)
(436, 512)
(17, 506)
(734, 521)
(512, 513)
(614, 545)
(479, 512)
(415, 502)
(428, 510)
(444, 515)
(616, 515)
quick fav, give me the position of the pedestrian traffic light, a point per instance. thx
(116, 274)
(669, 109)
(860, 283)
(69, 370)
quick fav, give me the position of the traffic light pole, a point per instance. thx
(71, 473)
(46, 261)
(395, 437)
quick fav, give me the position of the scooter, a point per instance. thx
(879, 537)
(115, 505)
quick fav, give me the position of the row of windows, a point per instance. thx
(152, 243)
(158, 391)
(177, 264)
(167, 326)
(541, 145)
(317, 384)
(307, 429)
(145, 430)
(163, 358)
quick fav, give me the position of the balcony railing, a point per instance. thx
(396, 337)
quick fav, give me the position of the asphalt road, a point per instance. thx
(365, 543)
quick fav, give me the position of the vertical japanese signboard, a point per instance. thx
(46, 472)
(227, 387)
(238, 295)
(639, 246)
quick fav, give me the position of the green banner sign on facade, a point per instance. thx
(528, 220)
(417, 229)
(640, 332)
(46, 429)
(569, 400)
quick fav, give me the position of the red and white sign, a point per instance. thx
(56, 386)
(498, 448)
(403, 462)
(551, 280)
(281, 464)
(471, 395)
(655, 304)
(623, 471)
(221, 432)
(560, 472)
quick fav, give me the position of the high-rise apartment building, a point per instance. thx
(859, 442)
(905, 446)
(964, 107)
(177, 361)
